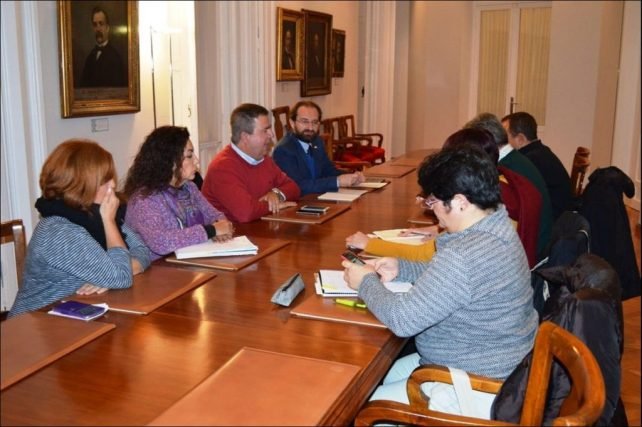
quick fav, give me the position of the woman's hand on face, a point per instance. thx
(353, 273)
(89, 289)
(109, 205)
(224, 230)
(358, 240)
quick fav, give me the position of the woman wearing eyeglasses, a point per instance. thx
(165, 207)
(520, 197)
(471, 306)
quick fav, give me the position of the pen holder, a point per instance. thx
(288, 291)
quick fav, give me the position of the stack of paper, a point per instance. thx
(343, 195)
(330, 283)
(240, 245)
(393, 236)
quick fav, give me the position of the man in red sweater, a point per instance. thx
(243, 181)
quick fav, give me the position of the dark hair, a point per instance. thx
(465, 170)
(243, 119)
(522, 122)
(309, 104)
(479, 137)
(491, 123)
(99, 9)
(159, 159)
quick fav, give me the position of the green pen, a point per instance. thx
(350, 302)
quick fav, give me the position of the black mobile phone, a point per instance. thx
(352, 257)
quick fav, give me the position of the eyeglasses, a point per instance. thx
(306, 122)
(428, 202)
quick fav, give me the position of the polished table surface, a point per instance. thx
(132, 374)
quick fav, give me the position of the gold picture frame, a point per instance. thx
(289, 45)
(317, 79)
(338, 52)
(99, 61)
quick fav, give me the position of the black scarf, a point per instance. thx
(90, 221)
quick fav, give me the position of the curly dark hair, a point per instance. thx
(159, 159)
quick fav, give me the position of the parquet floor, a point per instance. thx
(631, 357)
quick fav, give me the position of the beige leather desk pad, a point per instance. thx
(290, 215)
(259, 387)
(233, 263)
(153, 288)
(32, 341)
(389, 171)
(323, 308)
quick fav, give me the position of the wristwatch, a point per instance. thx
(279, 193)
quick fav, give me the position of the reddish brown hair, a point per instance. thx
(74, 170)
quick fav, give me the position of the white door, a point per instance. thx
(510, 59)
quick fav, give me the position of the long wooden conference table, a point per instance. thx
(133, 373)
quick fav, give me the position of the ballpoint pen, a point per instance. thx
(350, 302)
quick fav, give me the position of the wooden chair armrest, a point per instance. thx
(352, 166)
(370, 136)
(378, 411)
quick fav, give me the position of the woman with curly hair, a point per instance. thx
(165, 207)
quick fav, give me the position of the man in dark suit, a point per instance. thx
(301, 154)
(287, 60)
(103, 66)
(521, 128)
(316, 58)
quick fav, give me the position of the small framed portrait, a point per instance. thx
(99, 62)
(317, 77)
(338, 52)
(289, 44)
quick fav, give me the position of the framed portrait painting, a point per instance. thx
(289, 44)
(99, 62)
(317, 77)
(338, 52)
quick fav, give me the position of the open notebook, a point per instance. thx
(239, 245)
(330, 283)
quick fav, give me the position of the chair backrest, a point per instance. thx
(585, 402)
(281, 124)
(14, 231)
(581, 162)
(582, 407)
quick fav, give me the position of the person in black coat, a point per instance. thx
(103, 66)
(522, 135)
(602, 205)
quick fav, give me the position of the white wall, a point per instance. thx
(126, 131)
(345, 91)
(438, 76)
(573, 78)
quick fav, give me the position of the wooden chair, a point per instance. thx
(331, 150)
(14, 231)
(582, 407)
(371, 143)
(281, 123)
(581, 162)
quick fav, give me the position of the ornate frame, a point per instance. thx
(75, 45)
(318, 73)
(292, 20)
